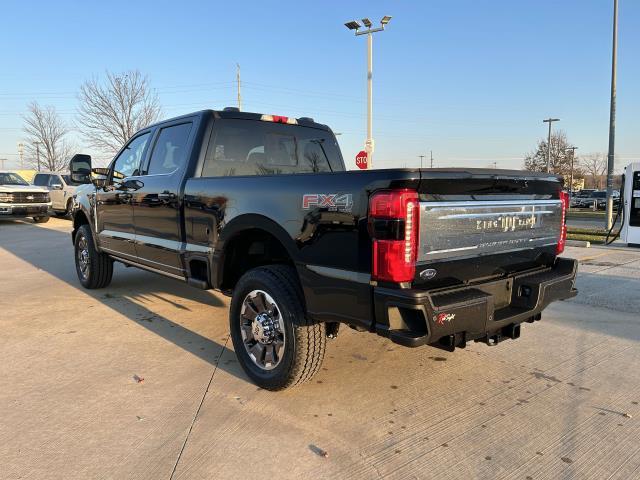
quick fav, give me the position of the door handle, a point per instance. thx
(166, 196)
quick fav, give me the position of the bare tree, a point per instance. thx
(45, 138)
(536, 161)
(112, 110)
(595, 165)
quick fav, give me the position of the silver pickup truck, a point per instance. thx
(18, 199)
(61, 189)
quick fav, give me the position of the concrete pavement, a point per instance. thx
(139, 380)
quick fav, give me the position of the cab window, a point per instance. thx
(170, 150)
(127, 164)
(41, 180)
(54, 180)
(246, 147)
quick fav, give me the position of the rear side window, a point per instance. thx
(41, 180)
(170, 151)
(247, 147)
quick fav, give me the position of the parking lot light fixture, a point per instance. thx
(354, 25)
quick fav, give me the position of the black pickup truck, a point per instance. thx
(260, 207)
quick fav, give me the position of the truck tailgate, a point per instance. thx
(479, 223)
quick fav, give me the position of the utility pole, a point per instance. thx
(37, 144)
(549, 121)
(573, 156)
(421, 157)
(21, 153)
(238, 82)
(612, 119)
(431, 152)
(354, 25)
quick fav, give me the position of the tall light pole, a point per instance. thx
(573, 156)
(421, 157)
(549, 121)
(37, 144)
(354, 25)
(238, 83)
(612, 119)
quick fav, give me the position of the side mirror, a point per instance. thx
(56, 186)
(80, 168)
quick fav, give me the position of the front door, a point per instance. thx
(116, 233)
(156, 203)
(56, 192)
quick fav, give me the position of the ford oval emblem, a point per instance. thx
(428, 274)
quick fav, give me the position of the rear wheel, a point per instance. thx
(42, 219)
(94, 269)
(276, 344)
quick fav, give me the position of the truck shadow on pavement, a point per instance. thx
(129, 293)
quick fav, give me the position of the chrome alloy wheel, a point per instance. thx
(262, 329)
(82, 256)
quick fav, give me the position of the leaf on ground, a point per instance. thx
(319, 451)
(138, 379)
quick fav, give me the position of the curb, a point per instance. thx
(578, 243)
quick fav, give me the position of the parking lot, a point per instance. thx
(140, 380)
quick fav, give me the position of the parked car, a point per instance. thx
(260, 207)
(18, 199)
(61, 189)
(580, 198)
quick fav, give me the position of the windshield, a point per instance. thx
(12, 179)
(599, 195)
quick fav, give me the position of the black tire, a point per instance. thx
(43, 219)
(304, 341)
(99, 267)
(67, 212)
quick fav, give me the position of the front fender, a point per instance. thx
(83, 211)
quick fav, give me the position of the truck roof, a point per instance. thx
(233, 112)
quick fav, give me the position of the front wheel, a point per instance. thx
(94, 269)
(276, 344)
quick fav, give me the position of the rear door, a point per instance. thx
(116, 232)
(156, 203)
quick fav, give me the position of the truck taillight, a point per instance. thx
(394, 220)
(562, 240)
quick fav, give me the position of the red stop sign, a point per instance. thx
(362, 160)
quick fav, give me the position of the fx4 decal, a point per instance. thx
(334, 202)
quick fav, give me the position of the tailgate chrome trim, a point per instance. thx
(458, 229)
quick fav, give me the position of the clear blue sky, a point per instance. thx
(470, 80)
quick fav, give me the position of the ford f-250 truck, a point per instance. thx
(260, 207)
